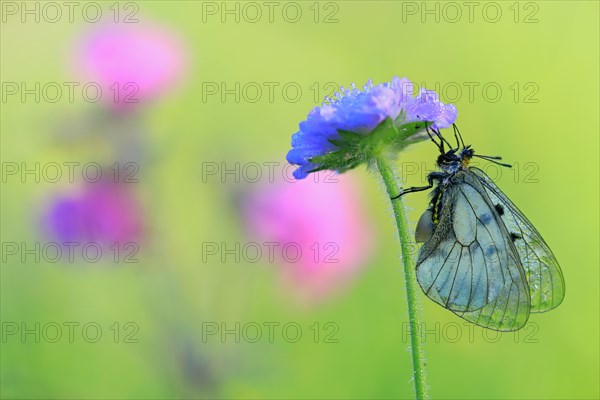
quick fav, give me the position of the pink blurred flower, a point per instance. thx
(130, 63)
(103, 212)
(322, 235)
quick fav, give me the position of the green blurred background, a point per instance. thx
(170, 295)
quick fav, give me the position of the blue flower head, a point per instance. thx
(358, 113)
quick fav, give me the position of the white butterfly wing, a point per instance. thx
(546, 282)
(470, 265)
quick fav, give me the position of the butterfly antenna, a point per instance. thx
(439, 134)
(458, 135)
(490, 157)
(439, 146)
(492, 160)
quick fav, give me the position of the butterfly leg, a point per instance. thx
(412, 190)
(430, 178)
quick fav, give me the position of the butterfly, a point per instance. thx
(481, 257)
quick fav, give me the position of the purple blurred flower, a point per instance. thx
(322, 236)
(104, 213)
(131, 63)
(361, 111)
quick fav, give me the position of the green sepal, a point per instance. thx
(350, 137)
(405, 131)
(355, 148)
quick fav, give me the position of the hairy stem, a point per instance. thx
(418, 358)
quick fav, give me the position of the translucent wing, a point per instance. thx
(470, 265)
(546, 282)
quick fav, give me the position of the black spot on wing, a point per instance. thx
(499, 208)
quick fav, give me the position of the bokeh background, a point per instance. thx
(180, 305)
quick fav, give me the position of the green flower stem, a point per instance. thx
(414, 316)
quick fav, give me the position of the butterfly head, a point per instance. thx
(452, 162)
(465, 156)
